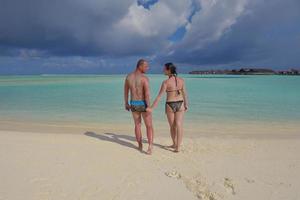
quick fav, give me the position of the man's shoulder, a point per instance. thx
(144, 78)
(129, 75)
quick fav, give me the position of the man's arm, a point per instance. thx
(146, 88)
(126, 91)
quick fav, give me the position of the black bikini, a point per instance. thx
(174, 105)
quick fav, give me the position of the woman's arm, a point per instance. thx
(185, 98)
(161, 92)
(146, 90)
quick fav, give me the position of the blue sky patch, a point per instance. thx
(146, 3)
(178, 34)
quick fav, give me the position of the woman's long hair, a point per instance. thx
(170, 66)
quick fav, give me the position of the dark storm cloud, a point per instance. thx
(62, 27)
(90, 27)
(266, 34)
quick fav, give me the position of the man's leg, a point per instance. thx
(137, 128)
(149, 127)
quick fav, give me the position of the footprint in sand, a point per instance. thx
(196, 185)
(173, 174)
(229, 185)
(200, 188)
(206, 195)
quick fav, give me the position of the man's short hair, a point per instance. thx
(140, 62)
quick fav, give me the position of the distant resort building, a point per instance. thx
(289, 72)
(248, 71)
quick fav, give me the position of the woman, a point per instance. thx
(176, 103)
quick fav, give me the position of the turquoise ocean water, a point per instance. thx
(99, 98)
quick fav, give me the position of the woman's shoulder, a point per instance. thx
(165, 82)
(180, 79)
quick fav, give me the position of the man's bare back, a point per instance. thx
(136, 84)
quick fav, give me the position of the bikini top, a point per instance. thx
(178, 90)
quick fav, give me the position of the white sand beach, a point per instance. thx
(101, 165)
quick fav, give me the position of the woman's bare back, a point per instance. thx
(174, 91)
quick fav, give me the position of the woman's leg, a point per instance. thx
(179, 128)
(171, 116)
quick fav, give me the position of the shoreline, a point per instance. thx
(191, 130)
(159, 73)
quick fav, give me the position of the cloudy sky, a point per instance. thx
(107, 36)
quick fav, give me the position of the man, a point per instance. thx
(138, 85)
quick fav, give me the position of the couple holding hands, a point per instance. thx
(137, 84)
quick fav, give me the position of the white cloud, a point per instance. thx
(161, 20)
(212, 21)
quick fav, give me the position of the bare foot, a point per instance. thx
(172, 146)
(176, 150)
(149, 151)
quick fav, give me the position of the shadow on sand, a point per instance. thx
(124, 140)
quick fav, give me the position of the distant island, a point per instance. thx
(248, 71)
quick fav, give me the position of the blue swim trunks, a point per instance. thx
(138, 105)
